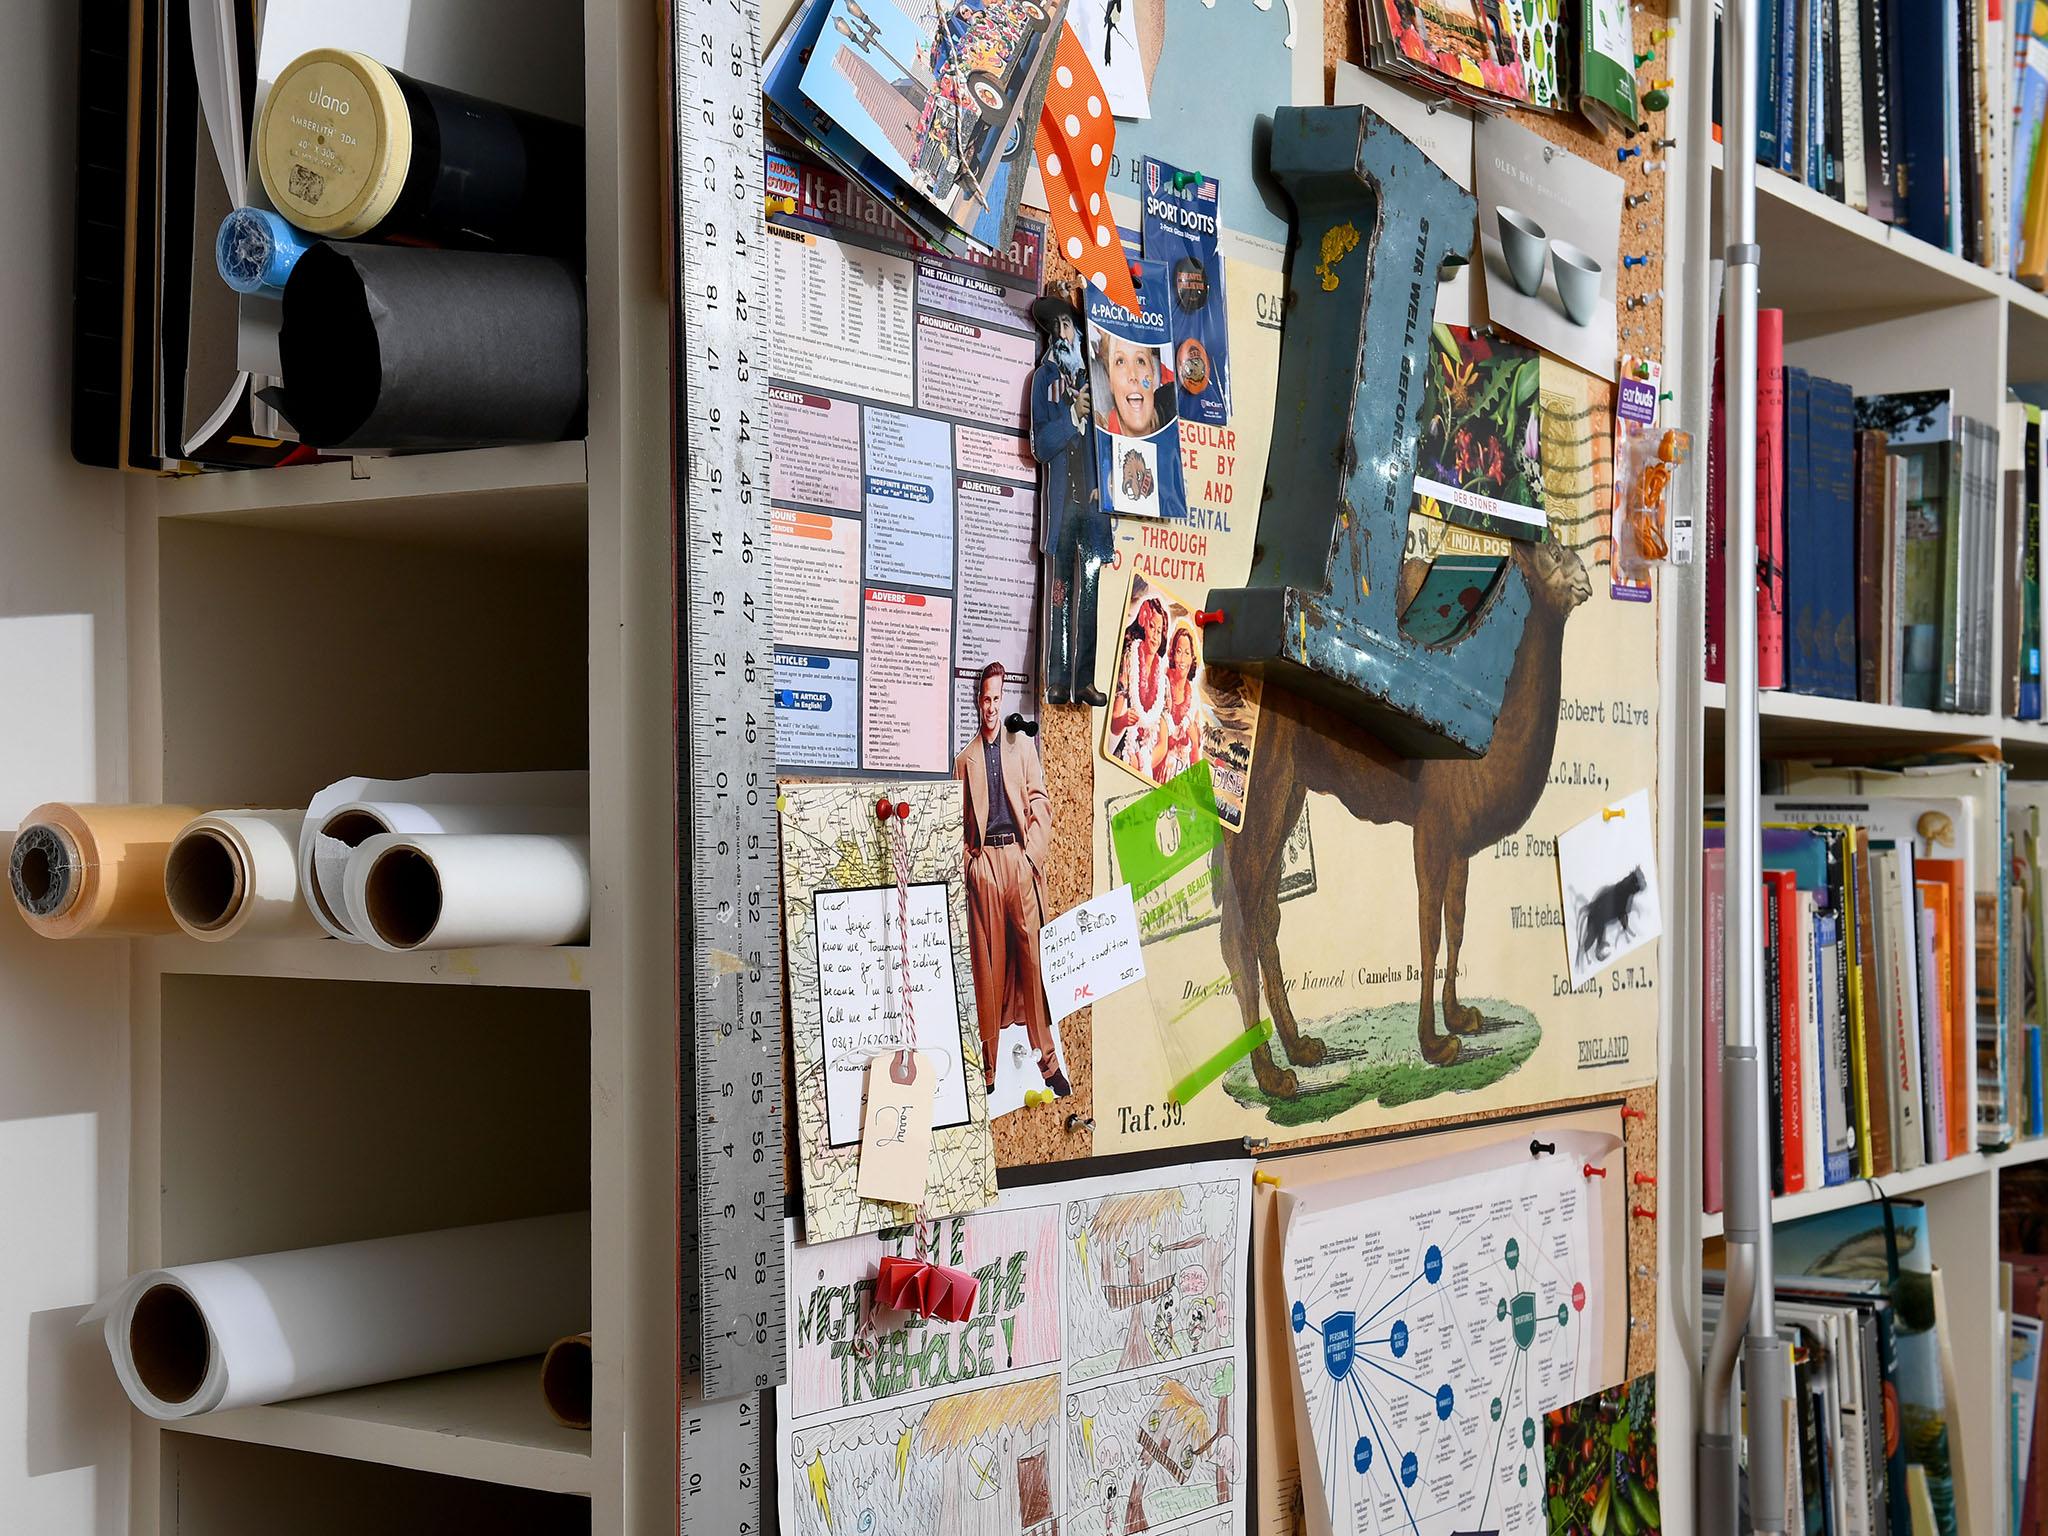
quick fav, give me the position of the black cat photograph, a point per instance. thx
(1607, 874)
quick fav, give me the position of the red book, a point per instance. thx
(1781, 890)
(1714, 866)
(1770, 498)
(1959, 1048)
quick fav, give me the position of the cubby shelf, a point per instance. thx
(488, 1424)
(565, 967)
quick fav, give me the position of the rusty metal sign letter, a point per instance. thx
(1375, 220)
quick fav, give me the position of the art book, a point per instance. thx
(1479, 460)
(1465, 48)
(945, 98)
(1099, 1384)
(1137, 401)
(848, 935)
(1169, 710)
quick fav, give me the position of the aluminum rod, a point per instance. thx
(1748, 1319)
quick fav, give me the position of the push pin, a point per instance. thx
(781, 205)
(1590, 1172)
(1205, 617)
(1635, 261)
(1653, 167)
(1627, 152)
(1663, 34)
(1542, 1148)
(884, 809)
(1662, 85)
(1645, 56)
(1643, 1178)
(1080, 1122)
(1663, 143)
(1640, 368)
(1642, 1213)
(1256, 1143)
(1630, 1112)
(1035, 1096)
(1186, 179)
(1016, 722)
(1663, 396)
(1656, 99)
(1637, 199)
(1137, 274)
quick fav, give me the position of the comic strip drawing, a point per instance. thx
(1149, 1278)
(1150, 1452)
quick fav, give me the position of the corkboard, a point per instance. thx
(1062, 1131)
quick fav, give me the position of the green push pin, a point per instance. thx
(1645, 57)
(1656, 99)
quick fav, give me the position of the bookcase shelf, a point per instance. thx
(488, 1424)
(1835, 1197)
(565, 967)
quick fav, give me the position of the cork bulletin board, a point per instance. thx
(1065, 1131)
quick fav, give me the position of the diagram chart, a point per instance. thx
(1433, 1328)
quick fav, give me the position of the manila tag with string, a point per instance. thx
(896, 1127)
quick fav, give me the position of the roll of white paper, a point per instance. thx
(236, 1332)
(350, 811)
(235, 874)
(457, 891)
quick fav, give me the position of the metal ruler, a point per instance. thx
(732, 1285)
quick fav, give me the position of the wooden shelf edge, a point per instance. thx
(1895, 1185)
(563, 968)
(486, 1424)
(531, 467)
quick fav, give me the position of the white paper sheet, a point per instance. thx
(235, 874)
(236, 1332)
(454, 891)
(1607, 869)
(556, 803)
(1437, 1312)
(1100, 1384)
(1090, 951)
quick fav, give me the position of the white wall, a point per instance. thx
(63, 1010)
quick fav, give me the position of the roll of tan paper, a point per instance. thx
(235, 874)
(236, 1332)
(348, 812)
(455, 891)
(565, 1381)
(83, 870)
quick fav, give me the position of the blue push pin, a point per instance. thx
(256, 251)
(1635, 261)
(1627, 152)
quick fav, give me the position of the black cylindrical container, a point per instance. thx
(389, 346)
(347, 147)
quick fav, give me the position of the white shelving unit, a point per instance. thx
(501, 608)
(1880, 310)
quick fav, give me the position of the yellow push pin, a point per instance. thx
(781, 205)
(1037, 1096)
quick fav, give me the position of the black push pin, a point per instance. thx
(1016, 722)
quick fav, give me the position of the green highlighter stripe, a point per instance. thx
(1222, 1061)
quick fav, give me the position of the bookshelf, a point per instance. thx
(499, 608)
(1869, 304)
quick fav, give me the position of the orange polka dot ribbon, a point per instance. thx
(1076, 137)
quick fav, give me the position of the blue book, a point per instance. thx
(1813, 57)
(2037, 1118)
(1927, 36)
(1766, 82)
(1787, 53)
(1804, 669)
(1831, 488)
(1831, 1049)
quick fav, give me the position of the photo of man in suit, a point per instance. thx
(1009, 833)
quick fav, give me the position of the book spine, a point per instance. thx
(1716, 532)
(2012, 538)
(1949, 670)
(1766, 82)
(1714, 879)
(1812, 108)
(2032, 90)
(1806, 670)
(1849, 94)
(1870, 563)
(1879, 170)
(1788, 1148)
(1788, 85)
(1831, 1033)
(1909, 1141)
(1833, 178)
(1933, 1026)
(1923, 38)
(1813, 1069)
(1831, 462)
(1866, 1042)
(1770, 498)
(2030, 567)
(1969, 148)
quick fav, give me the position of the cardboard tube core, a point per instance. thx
(204, 880)
(43, 870)
(402, 897)
(565, 1381)
(167, 1339)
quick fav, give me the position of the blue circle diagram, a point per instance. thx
(1409, 1470)
(1445, 1401)
(1300, 1317)
(1361, 1454)
(1432, 1264)
(1397, 1336)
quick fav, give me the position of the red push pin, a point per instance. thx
(883, 809)
(1643, 1213)
(1137, 275)
(1590, 1172)
(1207, 617)
(903, 810)
(1630, 1112)
(1646, 1178)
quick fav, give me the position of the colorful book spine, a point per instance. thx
(1714, 914)
(1716, 521)
(2032, 84)
(1880, 163)
(1768, 20)
(1806, 668)
(1770, 497)
(1926, 37)
(2030, 561)
(1782, 1000)
(1870, 564)
(1831, 489)
(1787, 93)
(1932, 900)
(1813, 1063)
(1831, 1036)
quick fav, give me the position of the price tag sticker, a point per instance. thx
(896, 1130)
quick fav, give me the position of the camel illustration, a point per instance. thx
(1456, 807)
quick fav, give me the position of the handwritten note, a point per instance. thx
(1090, 952)
(860, 987)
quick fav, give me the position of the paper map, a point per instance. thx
(1099, 1385)
(843, 953)
(1437, 1314)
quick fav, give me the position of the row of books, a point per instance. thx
(1879, 524)
(1861, 1304)
(1926, 114)
(1902, 1011)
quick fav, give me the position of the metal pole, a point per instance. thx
(1749, 1316)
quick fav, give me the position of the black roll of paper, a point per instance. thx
(347, 147)
(388, 346)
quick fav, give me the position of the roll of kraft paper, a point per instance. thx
(235, 875)
(384, 346)
(349, 812)
(565, 1381)
(411, 890)
(347, 147)
(238, 1332)
(82, 870)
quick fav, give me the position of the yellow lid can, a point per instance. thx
(334, 142)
